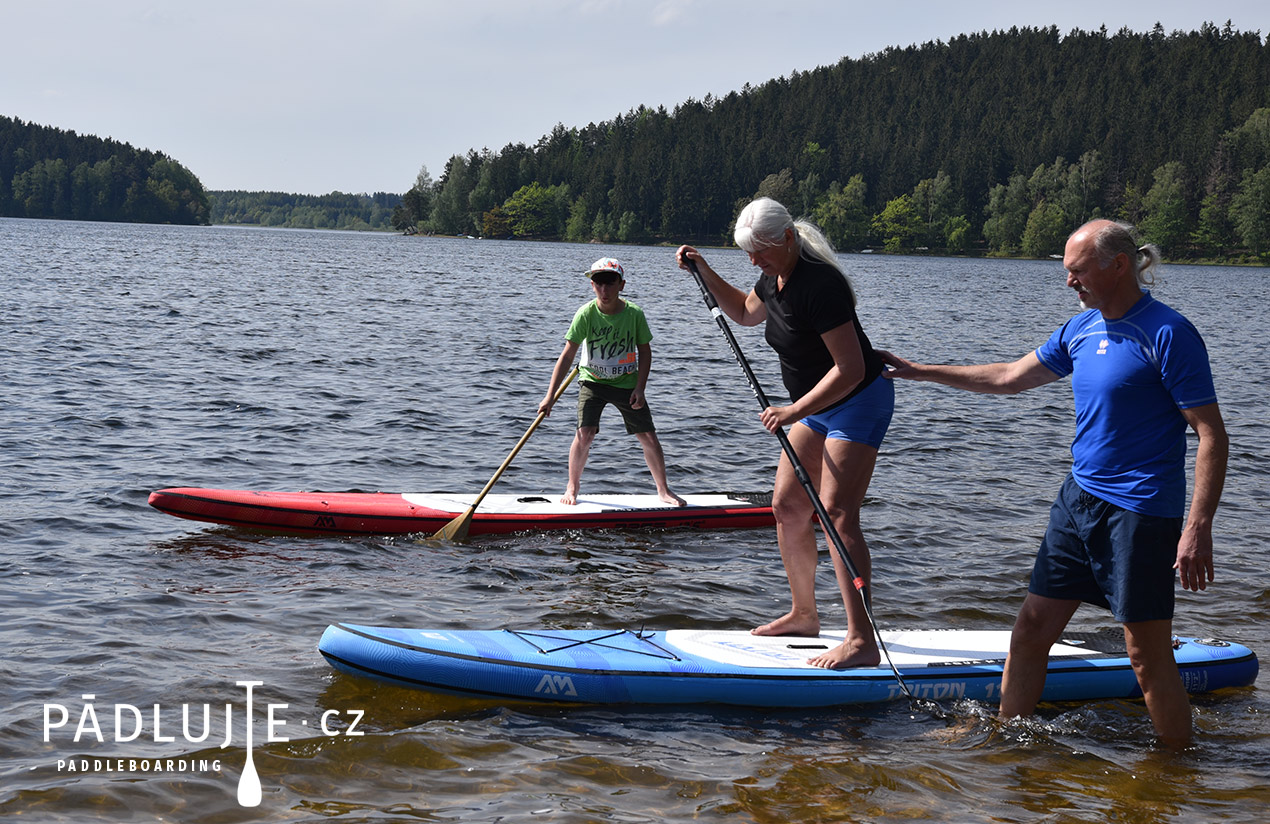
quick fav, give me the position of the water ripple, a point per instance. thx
(316, 360)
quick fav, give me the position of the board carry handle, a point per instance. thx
(456, 530)
(857, 580)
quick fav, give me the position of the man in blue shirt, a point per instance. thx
(1140, 377)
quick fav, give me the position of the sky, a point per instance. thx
(315, 96)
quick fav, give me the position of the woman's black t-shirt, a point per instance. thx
(816, 299)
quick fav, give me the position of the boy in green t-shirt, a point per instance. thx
(614, 338)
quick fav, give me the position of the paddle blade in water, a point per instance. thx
(455, 530)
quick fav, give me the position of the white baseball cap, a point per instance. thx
(607, 264)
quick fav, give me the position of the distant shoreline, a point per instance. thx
(931, 253)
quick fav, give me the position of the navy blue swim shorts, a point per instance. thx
(1103, 554)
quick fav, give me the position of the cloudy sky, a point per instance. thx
(313, 96)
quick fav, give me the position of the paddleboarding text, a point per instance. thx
(124, 723)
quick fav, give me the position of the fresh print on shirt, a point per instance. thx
(610, 343)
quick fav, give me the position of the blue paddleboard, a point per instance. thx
(684, 666)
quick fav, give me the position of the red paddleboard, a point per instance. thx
(395, 513)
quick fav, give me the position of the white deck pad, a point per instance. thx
(549, 504)
(908, 648)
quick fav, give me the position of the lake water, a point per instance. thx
(139, 357)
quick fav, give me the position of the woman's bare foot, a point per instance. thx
(849, 654)
(807, 626)
(570, 497)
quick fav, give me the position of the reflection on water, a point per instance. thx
(140, 357)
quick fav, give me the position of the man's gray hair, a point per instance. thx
(1121, 238)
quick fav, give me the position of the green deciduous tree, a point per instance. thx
(1082, 191)
(537, 211)
(602, 227)
(628, 228)
(843, 215)
(43, 190)
(957, 233)
(1046, 232)
(807, 194)
(1249, 143)
(578, 226)
(1166, 222)
(898, 224)
(933, 200)
(495, 223)
(1250, 212)
(1007, 210)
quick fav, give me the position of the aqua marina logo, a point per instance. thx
(132, 724)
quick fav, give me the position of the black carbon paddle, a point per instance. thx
(825, 523)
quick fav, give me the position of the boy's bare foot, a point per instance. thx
(849, 654)
(669, 497)
(569, 498)
(791, 624)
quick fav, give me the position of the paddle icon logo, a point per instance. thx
(195, 723)
(249, 790)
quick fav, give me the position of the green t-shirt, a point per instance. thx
(609, 343)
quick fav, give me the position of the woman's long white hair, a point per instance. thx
(762, 225)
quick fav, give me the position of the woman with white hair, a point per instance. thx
(838, 413)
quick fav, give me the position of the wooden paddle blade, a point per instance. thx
(456, 530)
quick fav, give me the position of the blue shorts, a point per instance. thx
(863, 419)
(1103, 554)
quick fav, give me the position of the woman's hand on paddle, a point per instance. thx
(686, 253)
(774, 417)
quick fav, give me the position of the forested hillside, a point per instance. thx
(47, 172)
(334, 211)
(995, 142)
(999, 142)
(50, 173)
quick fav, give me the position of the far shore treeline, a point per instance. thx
(337, 210)
(996, 143)
(51, 173)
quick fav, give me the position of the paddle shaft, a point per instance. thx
(857, 580)
(458, 527)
